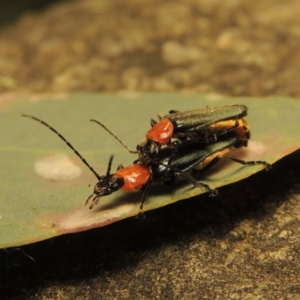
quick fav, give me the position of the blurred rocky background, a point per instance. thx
(230, 47)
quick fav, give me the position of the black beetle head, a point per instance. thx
(147, 150)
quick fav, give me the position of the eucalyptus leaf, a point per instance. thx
(35, 207)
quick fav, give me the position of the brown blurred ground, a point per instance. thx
(243, 245)
(229, 47)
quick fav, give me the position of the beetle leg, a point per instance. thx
(159, 116)
(153, 122)
(173, 111)
(120, 166)
(249, 163)
(191, 179)
(143, 199)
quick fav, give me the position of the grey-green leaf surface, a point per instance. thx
(35, 207)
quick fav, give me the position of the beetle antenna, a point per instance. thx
(109, 165)
(68, 143)
(115, 136)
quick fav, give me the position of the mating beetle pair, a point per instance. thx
(202, 138)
